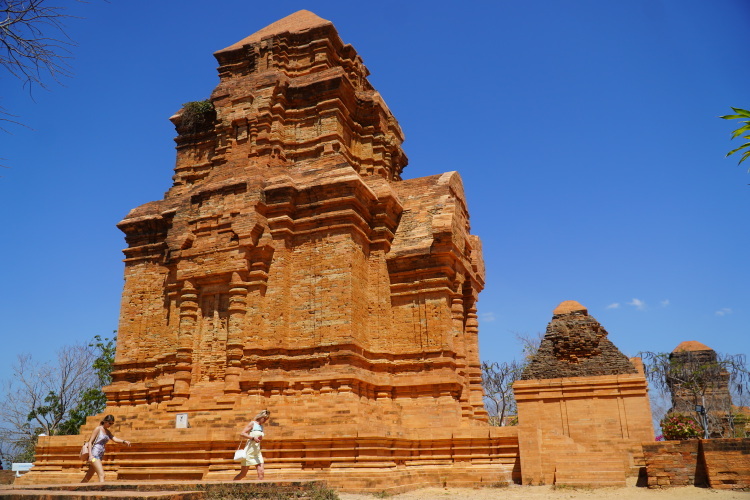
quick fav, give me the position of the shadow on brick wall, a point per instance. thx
(714, 463)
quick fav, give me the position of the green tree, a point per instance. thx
(93, 400)
(497, 382)
(699, 379)
(53, 397)
(498, 379)
(743, 129)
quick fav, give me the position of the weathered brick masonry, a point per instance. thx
(583, 406)
(718, 463)
(727, 462)
(576, 345)
(289, 267)
(674, 463)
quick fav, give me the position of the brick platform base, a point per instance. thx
(354, 462)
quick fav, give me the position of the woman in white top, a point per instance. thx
(253, 432)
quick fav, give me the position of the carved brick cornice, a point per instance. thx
(299, 206)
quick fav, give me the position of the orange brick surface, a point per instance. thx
(718, 463)
(674, 463)
(583, 406)
(727, 463)
(582, 430)
(289, 267)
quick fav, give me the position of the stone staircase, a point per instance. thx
(590, 468)
(577, 465)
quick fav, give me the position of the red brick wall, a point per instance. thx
(727, 462)
(719, 463)
(674, 463)
(7, 476)
(600, 420)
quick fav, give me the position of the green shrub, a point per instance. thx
(197, 116)
(320, 492)
(267, 491)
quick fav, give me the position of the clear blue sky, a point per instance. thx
(586, 133)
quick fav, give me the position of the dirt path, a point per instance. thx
(550, 493)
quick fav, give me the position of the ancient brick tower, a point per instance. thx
(290, 268)
(692, 355)
(696, 377)
(583, 407)
(289, 261)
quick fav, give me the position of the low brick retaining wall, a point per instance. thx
(7, 476)
(718, 463)
(727, 463)
(674, 463)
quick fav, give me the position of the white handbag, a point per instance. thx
(85, 451)
(239, 453)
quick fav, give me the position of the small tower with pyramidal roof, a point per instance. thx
(712, 391)
(576, 345)
(583, 408)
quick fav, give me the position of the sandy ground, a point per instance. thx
(516, 492)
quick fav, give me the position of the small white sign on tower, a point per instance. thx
(181, 421)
